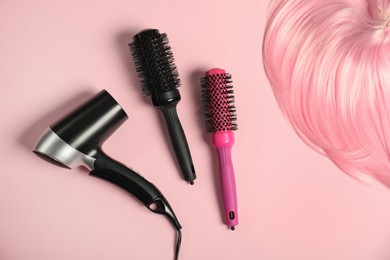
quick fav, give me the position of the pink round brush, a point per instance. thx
(220, 113)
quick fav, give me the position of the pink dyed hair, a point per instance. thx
(328, 62)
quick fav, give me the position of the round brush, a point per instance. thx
(159, 79)
(220, 114)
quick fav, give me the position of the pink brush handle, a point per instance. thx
(223, 142)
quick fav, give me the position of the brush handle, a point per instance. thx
(223, 142)
(115, 172)
(179, 142)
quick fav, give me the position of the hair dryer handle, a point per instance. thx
(115, 172)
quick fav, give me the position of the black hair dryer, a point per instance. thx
(77, 140)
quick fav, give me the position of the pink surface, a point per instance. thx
(294, 204)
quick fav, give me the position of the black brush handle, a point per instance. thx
(167, 102)
(179, 142)
(115, 172)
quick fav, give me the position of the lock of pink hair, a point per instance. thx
(328, 62)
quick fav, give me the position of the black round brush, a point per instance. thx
(159, 79)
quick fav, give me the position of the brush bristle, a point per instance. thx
(154, 62)
(218, 102)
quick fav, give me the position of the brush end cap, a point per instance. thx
(146, 33)
(215, 71)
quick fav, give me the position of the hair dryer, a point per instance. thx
(76, 140)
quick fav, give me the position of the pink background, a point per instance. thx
(293, 203)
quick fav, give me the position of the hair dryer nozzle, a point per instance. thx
(53, 149)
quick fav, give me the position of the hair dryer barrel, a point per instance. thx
(92, 123)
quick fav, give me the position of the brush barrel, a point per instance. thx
(166, 98)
